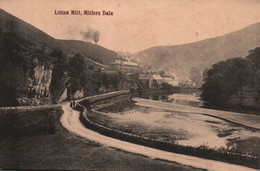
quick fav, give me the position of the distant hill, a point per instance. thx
(181, 58)
(38, 39)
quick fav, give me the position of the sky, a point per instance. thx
(138, 24)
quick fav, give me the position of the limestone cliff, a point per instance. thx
(36, 87)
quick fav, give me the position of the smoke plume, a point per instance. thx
(90, 34)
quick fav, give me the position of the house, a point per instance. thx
(157, 79)
(149, 80)
(116, 65)
(187, 83)
(130, 66)
(170, 81)
(101, 66)
(146, 80)
(124, 66)
(171, 78)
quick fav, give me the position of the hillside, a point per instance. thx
(38, 39)
(89, 50)
(181, 58)
(34, 66)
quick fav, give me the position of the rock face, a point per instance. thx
(36, 87)
(43, 78)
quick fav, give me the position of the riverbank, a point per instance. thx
(235, 108)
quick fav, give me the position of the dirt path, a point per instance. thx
(252, 121)
(70, 120)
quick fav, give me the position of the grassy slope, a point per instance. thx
(89, 50)
(44, 144)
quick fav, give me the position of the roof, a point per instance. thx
(118, 62)
(168, 79)
(157, 77)
(101, 65)
(189, 80)
(186, 81)
(130, 63)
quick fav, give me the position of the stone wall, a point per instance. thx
(29, 120)
(100, 98)
(110, 101)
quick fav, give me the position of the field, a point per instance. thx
(61, 150)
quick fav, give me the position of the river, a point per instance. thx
(184, 128)
(189, 99)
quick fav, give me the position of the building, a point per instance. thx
(187, 83)
(146, 80)
(171, 78)
(124, 66)
(101, 66)
(171, 81)
(157, 79)
(168, 80)
(116, 65)
(149, 80)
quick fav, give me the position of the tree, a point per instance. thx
(224, 79)
(59, 70)
(204, 74)
(78, 71)
(254, 58)
(195, 76)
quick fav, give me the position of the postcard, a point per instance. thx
(130, 85)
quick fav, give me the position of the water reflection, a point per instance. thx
(187, 99)
(158, 97)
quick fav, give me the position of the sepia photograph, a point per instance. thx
(131, 85)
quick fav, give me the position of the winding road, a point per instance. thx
(70, 120)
